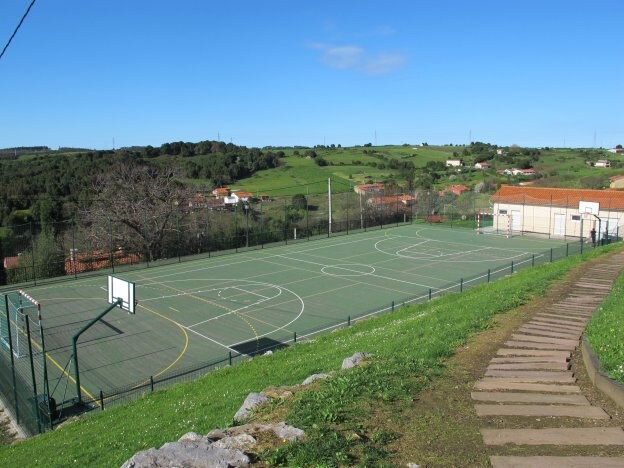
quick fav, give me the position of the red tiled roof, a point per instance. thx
(10, 262)
(243, 194)
(608, 199)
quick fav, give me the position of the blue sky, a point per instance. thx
(284, 72)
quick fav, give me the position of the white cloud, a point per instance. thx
(355, 58)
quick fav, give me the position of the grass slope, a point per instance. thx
(409, 347)
(606, 333)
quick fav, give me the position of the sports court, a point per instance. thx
(192, 312)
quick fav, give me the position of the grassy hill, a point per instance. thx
(410, 348)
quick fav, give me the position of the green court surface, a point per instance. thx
(192, 312)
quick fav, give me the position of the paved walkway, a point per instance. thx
(531, 378)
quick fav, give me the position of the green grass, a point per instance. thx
(410, 346)
(606, 332)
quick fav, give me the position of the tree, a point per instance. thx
(299, 202)
(143, 205)
(2, 270)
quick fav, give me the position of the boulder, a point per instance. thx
(188, 455)
(355, 360)
(314, 377)
(281, 430)
(251, 402)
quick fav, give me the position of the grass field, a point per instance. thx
(193, 312)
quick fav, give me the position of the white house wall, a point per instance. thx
(541, 219)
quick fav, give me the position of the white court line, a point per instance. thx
(235, 311)
(356, 271)
(255, 293)
(209, 339)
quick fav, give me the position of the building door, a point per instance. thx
(516, 221)
(559, 228)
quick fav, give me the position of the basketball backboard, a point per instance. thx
(121, 289)
(587, 207)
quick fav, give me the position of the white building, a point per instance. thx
(454, 163)
(556, 211)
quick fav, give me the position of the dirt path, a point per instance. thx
(515, 390)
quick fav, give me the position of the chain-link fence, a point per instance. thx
(23, 367)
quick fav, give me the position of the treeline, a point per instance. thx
(49, 188)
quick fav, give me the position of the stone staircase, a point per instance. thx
(529, 395)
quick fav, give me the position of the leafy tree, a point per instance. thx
(2, 270)
(299, 202)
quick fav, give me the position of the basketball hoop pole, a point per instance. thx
(117, 303)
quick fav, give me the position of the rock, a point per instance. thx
(314, 377)
(268, 353)
(191, 437)
(413, 465)
(355, 360)
(281, 431)
(178, 454)
(243, 442)
(251, 402)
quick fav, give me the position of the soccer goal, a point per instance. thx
(20, 324)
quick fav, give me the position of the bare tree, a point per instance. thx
(137, 208)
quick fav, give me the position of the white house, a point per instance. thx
(616, 150)
(602, 163)
(557, 212)
(236, 197)
(482, 165)
(454, 163)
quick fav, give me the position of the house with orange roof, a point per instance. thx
(455, 189)
(221, 192)
(558, 212)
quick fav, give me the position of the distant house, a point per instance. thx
(221, 192)
(602, 163)
(236, 197)
(482, 165)
(455, 189)
(501, 152)
(11, 262)
(454, 162)
(519, 172)
(616, 150)
(369, 188)
(197, 202)
(397, 201)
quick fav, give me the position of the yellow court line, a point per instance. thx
(186, 339)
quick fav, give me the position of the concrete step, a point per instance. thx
(502, 384)
(526, 373)
(539, 339)
(555, 324)
(540, 331)
(556, 462)
(533, 345)
(562, 411)
(518, 397)
(573, 320)
(559, 378)
(529, 366)
(533, 352)
(555, 436)
(521, 359)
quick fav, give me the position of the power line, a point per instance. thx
(17, 28)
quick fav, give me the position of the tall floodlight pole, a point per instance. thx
(330, 204)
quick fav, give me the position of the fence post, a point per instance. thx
(488, 275)
(294, 337)
(32, 372)
(348, 320)
(392, 306)
(8, 319)
(101, 400)
(512, 265)
(551, 255)
(230, 358)
(152, 383)
(429, 293)
(461, 284)
(567, 249)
